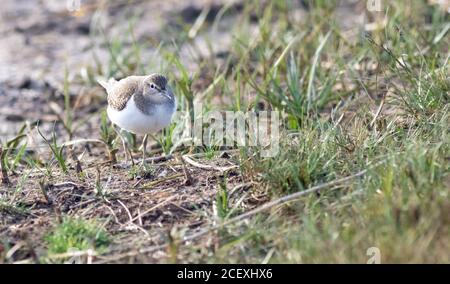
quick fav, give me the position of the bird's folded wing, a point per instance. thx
(121, 92)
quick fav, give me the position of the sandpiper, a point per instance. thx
(140, 105)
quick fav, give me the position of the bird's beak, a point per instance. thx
(167, 93)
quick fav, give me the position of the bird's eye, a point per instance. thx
(152, 86)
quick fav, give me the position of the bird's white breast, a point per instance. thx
(133, 120)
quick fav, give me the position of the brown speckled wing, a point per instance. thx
(123, 90)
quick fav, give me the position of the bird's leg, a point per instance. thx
(144, 148)
(125, 148)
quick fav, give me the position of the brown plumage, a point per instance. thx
(119, 92)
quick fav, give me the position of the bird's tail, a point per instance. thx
(107, 84)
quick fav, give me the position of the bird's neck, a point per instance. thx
(148, 104)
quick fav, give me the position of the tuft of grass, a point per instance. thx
(76, 233)
(108, 136)
(302, 162)
(222, 199)
(165, 139)
(57, 150)
(11, 150)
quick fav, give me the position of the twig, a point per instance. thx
(139, 216)
(78, 141)
(131, 223)
(88, 252)
(380, 108)
(239, 186)
(182, 208)
(126, 209)
(88, 201)
(67, 183)
(114, 214)
(207, 167)
(5, 179)
(155, 182)
(151, 160)
(137, 183)
(14, 249)
(99, 164)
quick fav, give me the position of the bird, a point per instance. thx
(142, 105)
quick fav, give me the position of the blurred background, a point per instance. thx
(44, 43)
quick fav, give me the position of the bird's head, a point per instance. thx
(156, 87)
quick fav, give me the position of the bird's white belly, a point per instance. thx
(133, 120)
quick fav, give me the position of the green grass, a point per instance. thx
(401, 205)
(76, 234)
